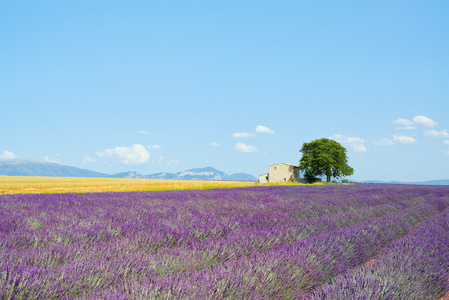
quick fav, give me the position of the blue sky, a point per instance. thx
(155, 86)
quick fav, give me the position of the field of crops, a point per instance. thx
(41, 184)
(272, 242)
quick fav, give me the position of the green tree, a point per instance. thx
(324, 157)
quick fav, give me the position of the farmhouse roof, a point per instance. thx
(263, 174)
(284, 164)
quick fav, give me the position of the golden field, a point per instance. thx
(34, 184)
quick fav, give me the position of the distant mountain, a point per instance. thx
(163, 175)
(429, 182)
(242, 177)
(130, 174)
(207, 173)
(20, 167)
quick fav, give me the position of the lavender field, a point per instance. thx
(272, 242)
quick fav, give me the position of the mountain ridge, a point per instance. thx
(28, 167)
(24, 167)
(206, 173)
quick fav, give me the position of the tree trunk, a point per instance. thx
(328, 178)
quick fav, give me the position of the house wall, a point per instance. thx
(283, 173)
(263, 178)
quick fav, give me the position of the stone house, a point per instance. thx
(281, 172)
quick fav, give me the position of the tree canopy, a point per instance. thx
(324, 157)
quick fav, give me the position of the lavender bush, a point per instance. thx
(278, 242)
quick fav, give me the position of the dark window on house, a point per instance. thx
(285, 179)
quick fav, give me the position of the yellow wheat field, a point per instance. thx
(34, 184)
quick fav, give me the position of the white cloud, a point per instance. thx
(384, 142)
(7, 155)
(143, 132)
(214, 144)
(154, 147)
(135, 155)
(245, 148)
(161, 158)
(445, 152)
(87, 159)
(446, 142)
(424, 121)
(173, 162)
(417, 121)
(434, 133)
(404, 139)
(242, 135)
(359, 148)
(357, 144)
(406, 124)
(263, 129)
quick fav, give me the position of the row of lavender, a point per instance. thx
(278, 242)
(413, 267)
(291, 271)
